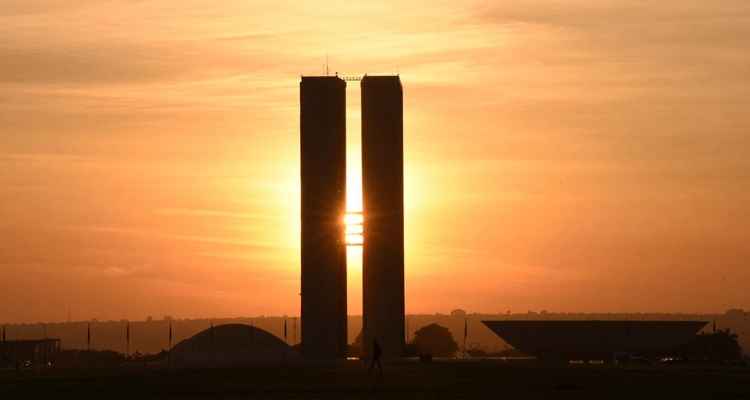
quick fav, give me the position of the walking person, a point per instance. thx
(377, 352)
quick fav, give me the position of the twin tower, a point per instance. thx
(323, 162)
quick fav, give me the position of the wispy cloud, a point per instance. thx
(159, 234)
(564, 136)
(193, 212)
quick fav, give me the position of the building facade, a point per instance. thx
(383, 204)
(323, 178)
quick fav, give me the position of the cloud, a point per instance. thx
(159, 234)
(163, 136)
(25, 8)
(584, 13)
(44, 158)
(76, 62)
(195, 212)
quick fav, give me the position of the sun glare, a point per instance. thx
(353, 218)
(353, 228)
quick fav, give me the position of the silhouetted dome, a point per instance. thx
(231, 345)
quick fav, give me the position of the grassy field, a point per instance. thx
(406, 380)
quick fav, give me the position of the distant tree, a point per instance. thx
(458, 313)
(735, 312)
(721, 345)
(435, 340)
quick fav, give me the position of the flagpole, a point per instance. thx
(169, 352)
(466, 333)
(285, 333)
(127, 339)
(283, 360)
(406, 329)
(294, 330)
(213, 345)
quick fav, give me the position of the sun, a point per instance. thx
(354, 218)
(353, 228)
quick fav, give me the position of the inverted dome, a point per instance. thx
(594, 338)
(231, 345)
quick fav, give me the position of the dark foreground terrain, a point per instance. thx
(406, 380)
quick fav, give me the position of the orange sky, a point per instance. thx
(560, 155)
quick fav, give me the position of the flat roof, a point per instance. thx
(29, 341)
(381, 76)
(554, 322)
(322, 78)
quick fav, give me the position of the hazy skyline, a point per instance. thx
(560, 155)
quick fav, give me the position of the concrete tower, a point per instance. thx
(323, 175)
(383, 198)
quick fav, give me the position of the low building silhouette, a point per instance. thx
(29, 353)
(232, 345)
(595, 340)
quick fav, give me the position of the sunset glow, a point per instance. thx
(570, 161)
